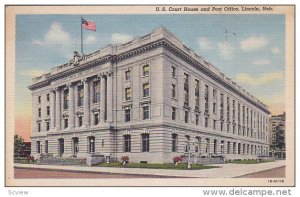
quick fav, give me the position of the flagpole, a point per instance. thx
(81, 36)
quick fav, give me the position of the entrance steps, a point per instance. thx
(60, 161)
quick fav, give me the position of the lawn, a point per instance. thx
(22, 161)
(249, 161)
(181, 166)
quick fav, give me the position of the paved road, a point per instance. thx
(27, 173)
(272, 173)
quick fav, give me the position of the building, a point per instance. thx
(145, 99)
(277, 136)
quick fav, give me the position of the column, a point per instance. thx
(52, 110)
(102, 98)
(71, 107)
(109, 98)
(86, 103)
(57, 110)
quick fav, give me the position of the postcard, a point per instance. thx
(132, 95)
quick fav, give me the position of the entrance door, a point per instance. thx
(75, 145)
(61, 147)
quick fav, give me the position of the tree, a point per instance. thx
(18, 145)
(280, 138)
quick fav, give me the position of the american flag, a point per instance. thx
(90, 25)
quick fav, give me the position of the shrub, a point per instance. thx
(30, 158)
(177, 159)
(125, 158)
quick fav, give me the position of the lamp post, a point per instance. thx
(92, 146)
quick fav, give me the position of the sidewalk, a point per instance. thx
(224, 170)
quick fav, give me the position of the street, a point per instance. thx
(272, 173)
(26, 173)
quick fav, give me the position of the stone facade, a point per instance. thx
(145, 99)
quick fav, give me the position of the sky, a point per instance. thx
(247, 48)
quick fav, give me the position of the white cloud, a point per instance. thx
(256, 80)
(254, 43)
(275, 50)
(90, 39)
(226, 50)
(120, 38)
(32, 73)
(204, 43)
(261, 62)
(55, 35)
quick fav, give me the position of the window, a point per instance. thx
(198, 145)
(186, 97)
(221, 126)
(228, 109)
(206, 98)
(146, 112)
(127, 115)
(96, 119)
(222, 147)
(207, 145)
(174, 142)
(239, 112)
(47, 126)
(146, 90)
(66, 99)
(79, 121)
(39, 126)
(48, 97)
(127, 143)
(228, 127)
(80, 96)
(173, 113)
(186, 116)
(173, 71)
(197, 94)
(66, 122)
(39, 99)
(186, 79)
(40, 112)
(206, 122)
(173, 91)
(146, 70)
(187, 142)
(228, 147)
(214, 107)
(145, 142)
(96, 86)
(234, 148)
(38, 147)
(48, 110)
(197, 119)
(221, 106)
(127, 75)
(215, 124)
(214, 93)
(46, 146)
(233, 110)
(128, 94)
